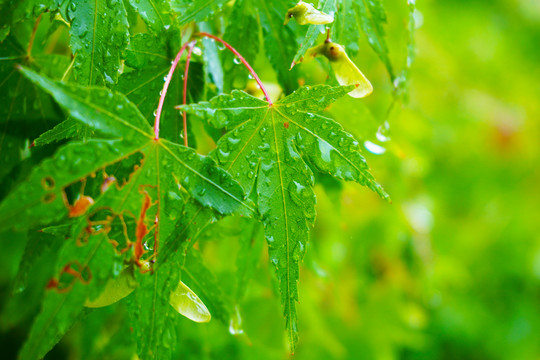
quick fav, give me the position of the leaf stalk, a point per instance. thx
(186, 71)
(166, 86)
(241, 58)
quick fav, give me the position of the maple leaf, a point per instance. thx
(99, 33)
(196, 10)
(279, 41)
(245, 42)
(372, 17)
(150, 199)
(150, 58)
(25, 110)
(155, 13)
(269, 150)
(14, 12)
(345, 27)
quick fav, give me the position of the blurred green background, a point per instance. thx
(450, 269)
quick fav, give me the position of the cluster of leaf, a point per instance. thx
(78, 97)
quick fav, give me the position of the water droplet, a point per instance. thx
(325, 150)
(383, 133)
(235, 325)
(237, 61)
(197, 51)
(374, 148)
(298, 193)
(221, 117)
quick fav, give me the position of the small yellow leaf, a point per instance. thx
(187, 303)
(305, 13)
(115, 289)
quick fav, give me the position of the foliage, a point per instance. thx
(97, 208)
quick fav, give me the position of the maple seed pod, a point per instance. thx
(346, 71)
(115, 289)
(187, 303)
(305, 13)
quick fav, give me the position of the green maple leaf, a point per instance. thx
(150, 58)
(15, 11)
(25, 110)
(99, 34)
(245, 42)
(165, 166)
(372, 17)
(258, 16)
(267, 150)
(345, 29)
(155, 13)
(147, 61)
(196, 10)
(279, 41)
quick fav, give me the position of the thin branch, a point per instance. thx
(241, 58)
(184, 115)
(32, 37)
(165, 87)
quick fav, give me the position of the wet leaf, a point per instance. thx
(149, 58)
(99, 34)
(108, 112)
(15, 11)
(155, 13)
(372, 17)
(267, 149)
(279, 42)
(102, 230)
(196, 10)
(25, 110)
(346, 29)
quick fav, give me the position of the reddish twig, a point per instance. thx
(173, 68)
(165, 87)
(241, 58)
(184, 115)
(32, 37)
